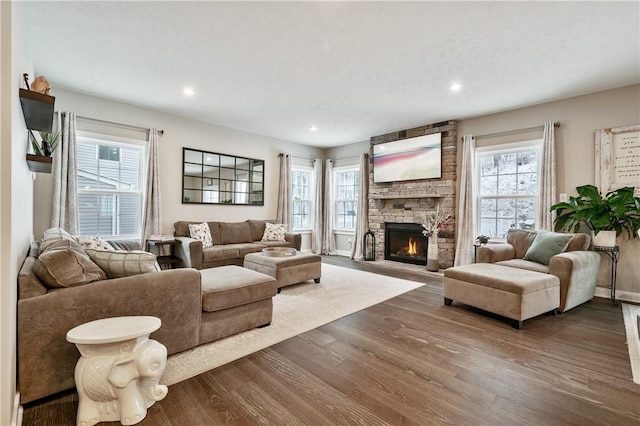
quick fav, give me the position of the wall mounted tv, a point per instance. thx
(408, 159)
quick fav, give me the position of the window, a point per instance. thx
(109, 187)
(301, 190)
(507, 194)
(346, 196)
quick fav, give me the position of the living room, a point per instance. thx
(26, 197)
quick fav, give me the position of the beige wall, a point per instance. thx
(16, 188)
(179, 132)
(579, 118)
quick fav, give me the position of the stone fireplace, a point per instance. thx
(404, 242)
(407, 202)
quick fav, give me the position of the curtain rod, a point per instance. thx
(113, 123)
(515, 131)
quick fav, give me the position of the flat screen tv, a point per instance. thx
(408, 159)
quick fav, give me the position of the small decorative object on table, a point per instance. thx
(437, 220)
(278, 251)
(482, 239)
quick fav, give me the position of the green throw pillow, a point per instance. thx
(546, 245)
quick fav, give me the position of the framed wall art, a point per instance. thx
(617, 158)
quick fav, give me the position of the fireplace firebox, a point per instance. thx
(404, 242)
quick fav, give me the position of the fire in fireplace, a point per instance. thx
(404, 242)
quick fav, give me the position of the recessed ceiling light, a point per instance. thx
(188, 91)
(313, 128)
(456, 87)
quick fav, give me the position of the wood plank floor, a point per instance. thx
(413, 361)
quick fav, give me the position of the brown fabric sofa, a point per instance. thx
(577, 267)
(46, 361)
(231, 242)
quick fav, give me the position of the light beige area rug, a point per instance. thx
(297, 309)
(631, 315)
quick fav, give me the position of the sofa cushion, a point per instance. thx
(214, 227)
(201, 232)
(257, 229)
(235, 233)
(28, 283)
(181, 228)
(546, 245)
(217, 253)
(228, 286)
(520, 240)
(118, 264)
(50, 237)
(274, 232)
(95, 243)
(525, 264)
(579, 242)
(65, 264)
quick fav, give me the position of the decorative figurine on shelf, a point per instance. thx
(482, 239)
(41, 85)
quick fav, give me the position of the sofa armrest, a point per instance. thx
(578, 273)
(294, 239)
(189, 251)
(492, 253)
(46, 361)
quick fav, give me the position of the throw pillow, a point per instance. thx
(118, 264)
(546, 245)
(201, 232)
(94, 243)
(65, 264)
(273, 232)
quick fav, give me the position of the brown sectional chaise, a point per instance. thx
(194, 309)
(231, 242)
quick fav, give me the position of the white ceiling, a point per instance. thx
(353, 69)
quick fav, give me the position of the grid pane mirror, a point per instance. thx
(214, 178)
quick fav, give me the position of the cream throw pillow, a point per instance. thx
(201, 232)
(118, 264)
(274, 232)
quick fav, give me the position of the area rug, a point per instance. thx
(297, 309)
(631, 313)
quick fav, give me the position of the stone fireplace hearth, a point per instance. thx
(407, 202)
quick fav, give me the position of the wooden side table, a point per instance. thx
(118, 374)
(166, 261)
(614, 255)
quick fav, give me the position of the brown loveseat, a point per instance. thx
(577, 267)
(193, 309)
(231, 242)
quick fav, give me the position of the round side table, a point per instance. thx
(118, 374)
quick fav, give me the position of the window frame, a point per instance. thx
(514, 147)
(309, 201)
(109, 140)
(336, 171)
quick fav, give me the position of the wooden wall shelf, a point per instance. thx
(39, 163)
(38, 110)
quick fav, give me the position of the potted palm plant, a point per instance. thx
(615, 214)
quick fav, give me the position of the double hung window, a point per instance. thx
(301, 182)
(110, 182)
(507, 188)
(346, 197)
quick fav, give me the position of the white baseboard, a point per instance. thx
(625, 296)
(343, 253)
(16, 417)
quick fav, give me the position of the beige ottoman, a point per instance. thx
(287, 270)
(511, 292)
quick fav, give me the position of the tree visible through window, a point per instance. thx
(109, 188)
(346, 181)
(507, 190)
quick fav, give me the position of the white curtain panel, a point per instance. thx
(466, 216)
(547, 177)
(316, 208)
(328, 239)
(362, 215)
(152, 217)
(64, 207)
(283, 213)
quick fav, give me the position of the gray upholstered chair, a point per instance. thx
(576, 267)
